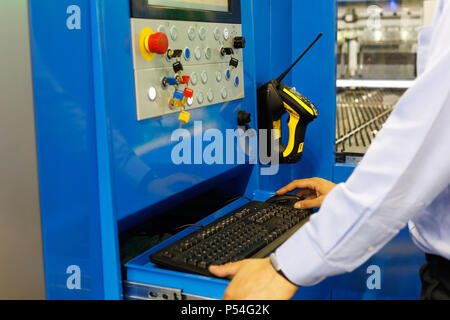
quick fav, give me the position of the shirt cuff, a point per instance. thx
(301, 263)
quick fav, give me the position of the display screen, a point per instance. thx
(210, 5)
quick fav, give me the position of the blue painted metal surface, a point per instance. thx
(67, 150)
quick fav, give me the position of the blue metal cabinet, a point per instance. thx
(102, 172)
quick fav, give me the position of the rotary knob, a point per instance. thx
(157, 43)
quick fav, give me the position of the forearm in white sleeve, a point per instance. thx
(405, 168)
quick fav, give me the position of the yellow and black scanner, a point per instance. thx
(274, 100)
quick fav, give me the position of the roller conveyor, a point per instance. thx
(360, 114)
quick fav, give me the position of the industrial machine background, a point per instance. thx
(361, 113)
(105, 168)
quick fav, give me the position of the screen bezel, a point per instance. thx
(141, 9)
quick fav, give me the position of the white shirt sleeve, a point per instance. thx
(405, 168)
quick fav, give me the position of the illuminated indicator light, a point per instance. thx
(152, 94)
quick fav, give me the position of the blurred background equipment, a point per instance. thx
(376, 64)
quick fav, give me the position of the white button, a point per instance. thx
(218, 76)
(198, 53)
(191, 33)
(194, 78)
(202, 33)
(204, 77)
(152, 93)
(210, 95)
(161, 28)
(208, 53)
(190, 101)
(224, 93)
(174, 33)
(370, 249)
(226, 34)
(200, 97)
(217, 34)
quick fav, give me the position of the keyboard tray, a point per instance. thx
(251, 231)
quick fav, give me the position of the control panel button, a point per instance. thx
(210, 95)
(187, 54)
(236, 82)
(191, 33)
(226, 34)
(152, 93)
(204, 77)
(218, 76)
(217, 34)
(198, 53)
(190, 101)
(194, 78)
(224, 93)
(200, 97)
(158, 43)
(228, 75)
(208, 53)
(174, 33)
(161, 28)
(202, 33)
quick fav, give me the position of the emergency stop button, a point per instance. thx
(157, 43)
(151, 43)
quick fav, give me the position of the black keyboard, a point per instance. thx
(252, 231)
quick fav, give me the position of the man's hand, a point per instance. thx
(315, 190)
(254, 279)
